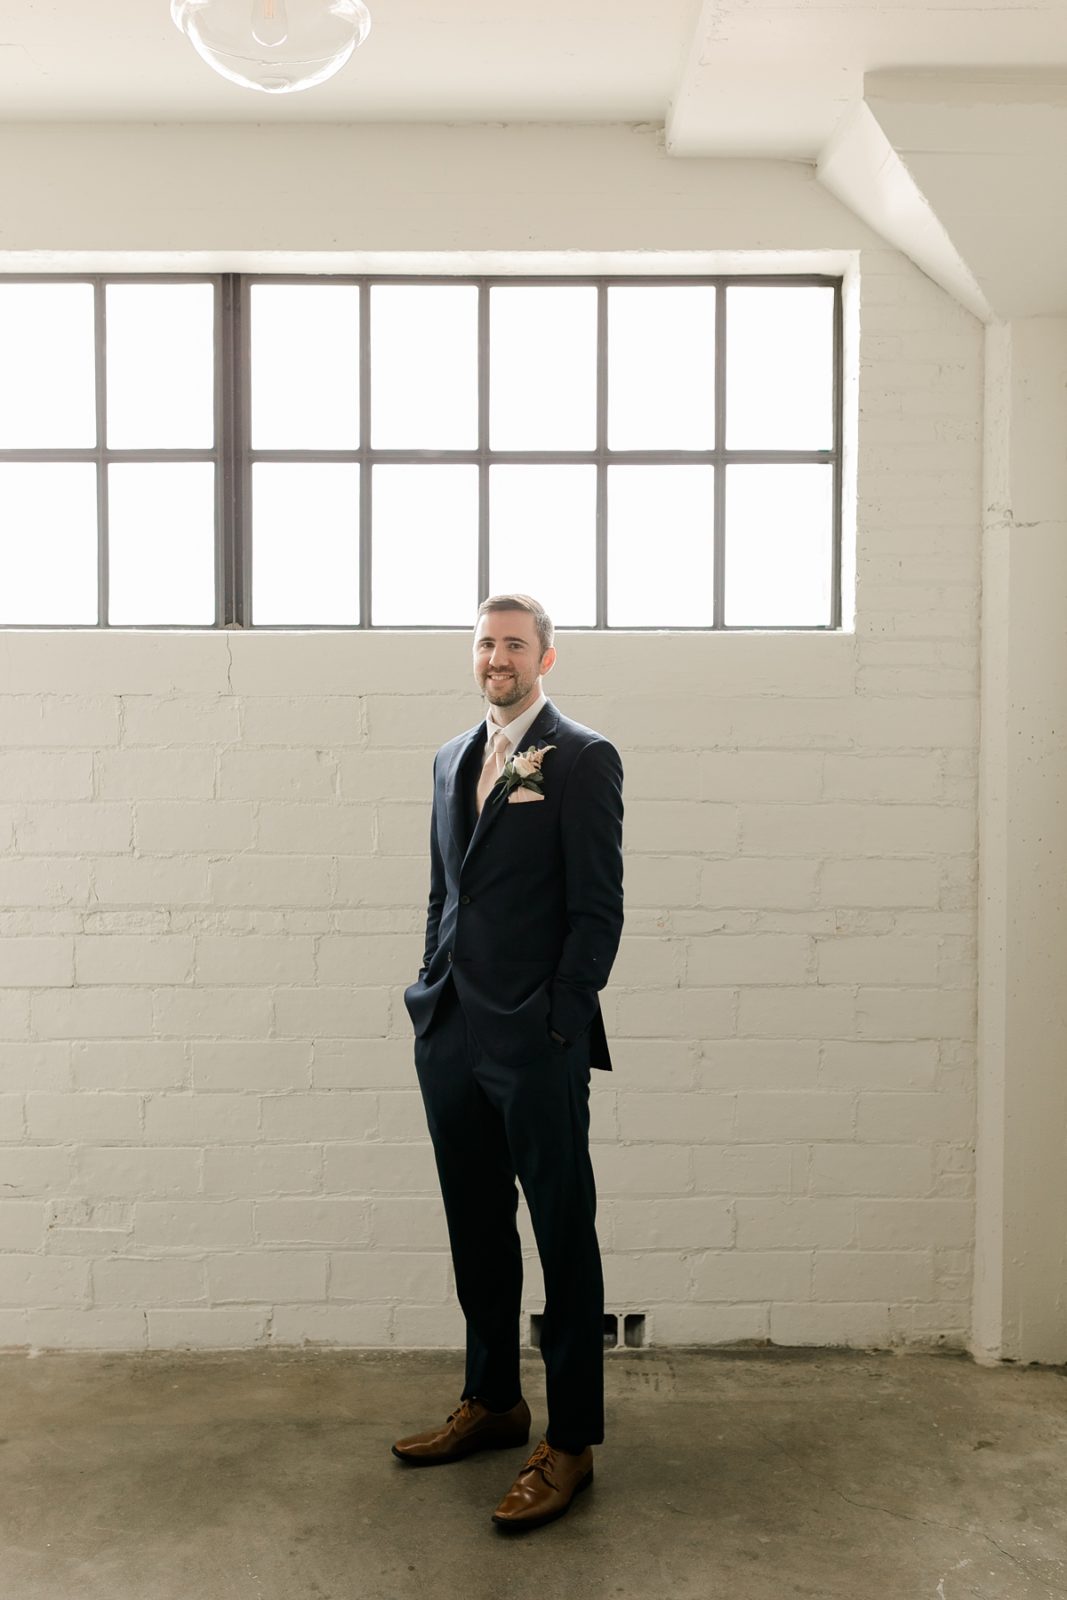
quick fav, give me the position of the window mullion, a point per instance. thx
(366, 525)
(102, 560)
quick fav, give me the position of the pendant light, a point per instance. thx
(278, 46)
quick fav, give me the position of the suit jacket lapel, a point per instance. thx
(455, 800)
(542, 727)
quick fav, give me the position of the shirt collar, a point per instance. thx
(520, 725)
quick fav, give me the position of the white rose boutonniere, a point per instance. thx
(523, 769)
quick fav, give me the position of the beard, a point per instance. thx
(507, 691)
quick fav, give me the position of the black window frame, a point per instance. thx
(234, 457)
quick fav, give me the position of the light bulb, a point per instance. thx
(277, 46)
(270, 25)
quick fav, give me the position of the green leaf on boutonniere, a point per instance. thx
(523, 769)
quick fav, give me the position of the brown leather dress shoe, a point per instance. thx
(472, 1426)
(545, 1487)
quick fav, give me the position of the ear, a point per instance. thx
(548, 660)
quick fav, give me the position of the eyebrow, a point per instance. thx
(511, 638)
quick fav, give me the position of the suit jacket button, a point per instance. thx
(450, 955)
(464, 899)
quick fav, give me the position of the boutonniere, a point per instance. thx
(524, 769)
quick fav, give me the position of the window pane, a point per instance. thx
(661, 368)
(305, 543)
(779, 368)
(305, 366)
(48, 392)
(47, 542)
(542, 368)
(160, 366)
(424, 367)
(779, 540)
(660, 547)
(542, 538)
(424, 559)
(161, 543)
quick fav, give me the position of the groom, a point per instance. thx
(523, 924)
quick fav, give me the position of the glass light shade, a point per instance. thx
(278, 46)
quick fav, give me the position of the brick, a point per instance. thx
(200, 1119)
(156, 774)
(344, 1012)
(430, 1327)
(188, 826)
(752, 1275)
(851, 1275)
(147, 1280)
(863, 1327)
(321, 1115)
(795, 1223)
(236, 1065)
(144, 958)
(914, 1224)
(74, 1118)
(401, 1275)
(733, 958)
(283, 774)
(754, 883)
(640, 1279)
(270, 1276)
(676, 1118)
(692, 1222)
(102, 1013)
(324, 828)
(132, 1172)
(870, 1169)
(796, 1011)
(768, 1116)
(642, 1169)
(321, 1220)
(743, 1169)
(35, 964)
(214, 1328)
(259, 1170)
(916, 1116)
(91, 827)
(271, 880)
(343, 1326)
(192, 1224)
(759, 1064)
(85, 1328)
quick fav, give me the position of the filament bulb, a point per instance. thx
(270, 25)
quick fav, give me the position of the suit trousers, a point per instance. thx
(490, 1124)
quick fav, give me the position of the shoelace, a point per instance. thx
(543, 1461)
(463, 1409)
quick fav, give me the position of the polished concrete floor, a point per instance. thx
(750, 1475)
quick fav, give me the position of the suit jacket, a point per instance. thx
(525, 909)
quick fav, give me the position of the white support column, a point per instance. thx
(1020, 1304)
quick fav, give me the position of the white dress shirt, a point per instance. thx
(516, 729)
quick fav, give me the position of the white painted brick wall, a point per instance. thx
(212, 888)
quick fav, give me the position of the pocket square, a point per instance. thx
(523, 794)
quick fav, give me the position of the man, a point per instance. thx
(523, 924)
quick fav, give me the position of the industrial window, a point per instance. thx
(361, 452)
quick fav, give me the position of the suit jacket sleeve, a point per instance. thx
(592, 852)
(437, 883)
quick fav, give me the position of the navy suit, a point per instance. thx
(523, 924)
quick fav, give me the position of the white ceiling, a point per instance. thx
(727, 77)
(943, 123)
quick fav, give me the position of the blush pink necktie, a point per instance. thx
(494, 765)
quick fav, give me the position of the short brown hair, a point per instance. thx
(522, 602)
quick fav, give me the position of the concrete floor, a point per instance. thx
(750, 1475)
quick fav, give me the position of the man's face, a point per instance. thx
(507, 658)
